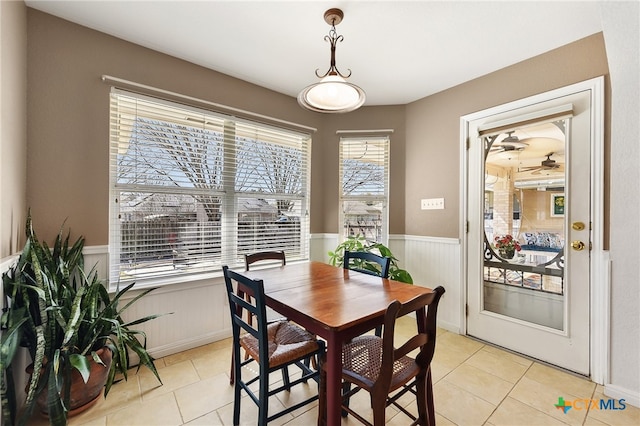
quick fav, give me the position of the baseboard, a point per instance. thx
(449, 326)
(630, 397)
(186, 344)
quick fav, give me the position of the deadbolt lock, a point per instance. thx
(578, 226)
(577, 245)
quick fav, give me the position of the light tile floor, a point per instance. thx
(474, 384)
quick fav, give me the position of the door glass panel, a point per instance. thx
(524, 224)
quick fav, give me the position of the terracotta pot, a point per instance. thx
(83, 395)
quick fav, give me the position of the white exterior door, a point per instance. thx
(529, 187)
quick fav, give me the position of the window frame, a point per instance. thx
(382, 198)
(228, 194)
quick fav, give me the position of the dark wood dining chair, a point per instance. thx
(373, 364)
(367, 262)
(250, 259)
(273, 346)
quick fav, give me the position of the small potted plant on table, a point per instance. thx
(360, 243)
(506, 245)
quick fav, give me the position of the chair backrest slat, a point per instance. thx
(367, 262)
(250, 259)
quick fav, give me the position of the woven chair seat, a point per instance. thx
(362, 360)
(287, 342)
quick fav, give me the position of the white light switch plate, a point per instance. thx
(432, 203)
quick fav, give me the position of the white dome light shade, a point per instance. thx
(332, 94)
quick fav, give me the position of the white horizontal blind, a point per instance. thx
(364, 187)
(192, 190)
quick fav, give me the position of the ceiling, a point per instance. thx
(535, 144)
(398, 51)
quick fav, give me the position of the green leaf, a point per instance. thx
(80, 363)
(73, 324)
(34, 381)
(9, 404)
(97, 359)
(401, 275)
(10, 342)
(56, 410)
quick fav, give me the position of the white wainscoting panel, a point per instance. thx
(200, 310)
(197, 314)
(320, 245)
(433, 262)
(98, 257)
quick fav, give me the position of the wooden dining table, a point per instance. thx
(336, 304)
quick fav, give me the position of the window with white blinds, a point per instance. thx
(192, 190)
(364, 187)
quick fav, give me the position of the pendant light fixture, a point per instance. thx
(332, 94)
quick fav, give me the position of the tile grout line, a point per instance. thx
(456, 367)
(593, 394)
(509, 393)
(175, 399)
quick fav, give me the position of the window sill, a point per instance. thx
(176, 282)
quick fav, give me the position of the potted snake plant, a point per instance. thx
(71, 327)
(360, 243)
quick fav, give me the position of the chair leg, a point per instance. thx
(431, 408)
(236, 403)
(285, 377)
(263, 398)
(379, 331)
(322, 394)
(311, 363)
(379, 406)
(232, 372)
(346, 387)
(424, 405)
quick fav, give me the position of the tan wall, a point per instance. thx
(68, 175)
(536, 212)
(433, 126)
(68, 125)
(364, 119)
(13, 133)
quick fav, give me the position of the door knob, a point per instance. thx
(577, 245)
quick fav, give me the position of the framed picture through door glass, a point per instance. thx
(557, 205)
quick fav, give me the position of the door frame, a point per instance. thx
(599, 263)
